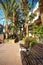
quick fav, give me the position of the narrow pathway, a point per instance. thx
(9, 54)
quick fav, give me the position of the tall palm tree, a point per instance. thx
(5, 10)
(25, 8)
(8, 7)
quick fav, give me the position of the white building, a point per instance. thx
(36, 11)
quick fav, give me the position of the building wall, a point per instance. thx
(41, 9)
(36, 11)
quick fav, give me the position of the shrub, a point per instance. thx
(31, 40)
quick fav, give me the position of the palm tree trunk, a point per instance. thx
(13, 21)
(13, 18)
(6, 30)
(27, 34)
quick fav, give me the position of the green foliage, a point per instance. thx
(40, 30)
(24, 39)
(31, 40)
(37, 29)
(12, 28)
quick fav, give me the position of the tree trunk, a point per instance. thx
(13, 18)
(13, 21)
(27, 33)
(20, 33)
(6, 30)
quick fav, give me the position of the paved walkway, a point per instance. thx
(9, 54)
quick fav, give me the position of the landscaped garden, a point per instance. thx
(23, 22)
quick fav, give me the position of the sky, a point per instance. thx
(3, 22)
(1, 16)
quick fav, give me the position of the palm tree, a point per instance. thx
(25, 8)
(13, 11)
(8, 7)
(5, 10)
